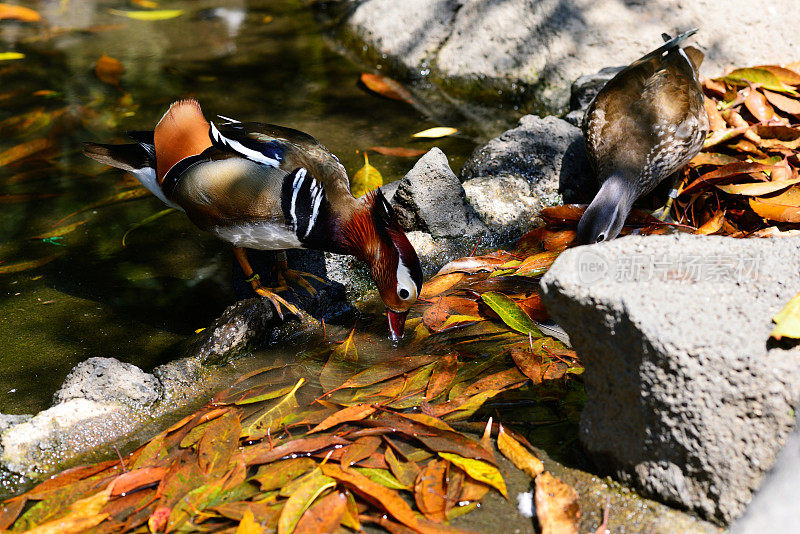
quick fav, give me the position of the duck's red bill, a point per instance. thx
(397, 322)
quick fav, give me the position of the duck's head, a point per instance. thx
(392, 260)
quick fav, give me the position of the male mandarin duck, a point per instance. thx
(644, 125)
(268, 187)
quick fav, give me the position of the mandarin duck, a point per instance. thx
(644, 125)
(269, 187)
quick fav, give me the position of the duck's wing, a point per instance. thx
(285, 148)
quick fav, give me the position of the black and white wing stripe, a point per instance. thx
(303, 203)
(270, 153)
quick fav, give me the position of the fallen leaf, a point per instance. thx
(760, 77)
(382, 477)
(20, 13)
(365, 179)
(386, 87)
(757, 188)
(21, 266)
(784, 207)
(11, 56)
(324, 516)
(351, 413)
(23, 151)
(710, 158)
(430, 491)
(276, 475)
(313, 485)
(787, 321)
(713, 225)
(511, 313)
(158, 520)
(518, 454)
(398, 152)
(435, 133)
(785, 75)
(270, 418)
(162, 14)
(784, 103)
(136, 479)
(556, 505)
(439, 284)
(443, 373)
(108, 69)
(248, 524)
(360, 449)
(264, 452)
(405, 471)
(757, 104)
(478, 470)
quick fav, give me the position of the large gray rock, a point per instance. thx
(109, 380)
(510, 178)
(775, 506)
(430, 199)
(528, 52)
(687, 398)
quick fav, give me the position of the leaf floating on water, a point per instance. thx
(365, 179)
(556, 505)
(269, 419)
(162, 14)
(436, 133)
(386, 87)
(518, 454)
(20, 13)
(787, 321)
(511, 314)
(109, 69)
(398, 152)
(351, 413)
(10, 56)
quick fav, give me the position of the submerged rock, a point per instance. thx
(109, 380)
(688, 400)
(510, 178)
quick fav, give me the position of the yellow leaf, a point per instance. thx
(162, 14)
(787, 321)
(479, 470)
(6, 56)
(269, 418)
(248, 524)
(24, 14)
(519, 455)
(435, 133)
(365, 179)
(312, 486)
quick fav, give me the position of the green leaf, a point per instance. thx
(382, 477)
(480, 471)
(761, 77)
(365, 179)
(271, 418)
(511, 313)
(311, 488)
(8, 56)
(158, 14)
(787, 321)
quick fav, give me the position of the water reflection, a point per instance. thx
(89, 295)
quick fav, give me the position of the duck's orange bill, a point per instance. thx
(397, 322)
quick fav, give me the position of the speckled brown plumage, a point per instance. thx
(644, 125)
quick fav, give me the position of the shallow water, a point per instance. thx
(260, 60)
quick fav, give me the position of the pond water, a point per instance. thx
(68, 297)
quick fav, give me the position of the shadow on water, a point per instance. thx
(80, 294)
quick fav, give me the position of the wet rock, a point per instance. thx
(238, 329)
(7, 421)
(687, 399)
(510, 178)
(774, 508)
(66, 430)
(109, 380)
(583, 90)
(430, 198)
(526, 53)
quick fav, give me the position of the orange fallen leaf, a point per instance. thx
(399, 152)
(757, 104)
(109, 69)
(23, 14)
(713, 225)
(386, 87)
(556, 505)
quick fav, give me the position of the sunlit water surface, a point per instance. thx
(84, 294)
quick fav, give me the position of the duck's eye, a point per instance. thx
(403, 294)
